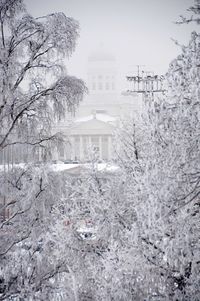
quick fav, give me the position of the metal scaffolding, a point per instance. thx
(145, 82)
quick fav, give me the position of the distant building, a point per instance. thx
(98, 114)
(91, 130)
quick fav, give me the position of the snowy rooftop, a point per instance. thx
(98, 116)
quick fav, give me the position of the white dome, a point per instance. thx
(100, 56)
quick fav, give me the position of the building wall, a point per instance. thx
(104, 100)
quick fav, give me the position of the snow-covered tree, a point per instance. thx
(162, 182)
(195, 10)
(132, 235)
(35, 89)
(34, 84)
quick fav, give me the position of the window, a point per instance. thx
(77, 139)
(107, 86)
(95, 140)
(105, 139)
(100, 86)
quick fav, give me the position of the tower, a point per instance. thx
(102, 73)
(102, 79)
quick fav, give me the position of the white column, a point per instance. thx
(100, 147)
(81, 148)
(72, 148)
(109, 148)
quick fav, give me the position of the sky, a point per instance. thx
(135, 31)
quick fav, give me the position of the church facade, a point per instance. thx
(92, 128)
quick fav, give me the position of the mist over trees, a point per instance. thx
(142, 237)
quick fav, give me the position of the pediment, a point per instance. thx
(90, 126)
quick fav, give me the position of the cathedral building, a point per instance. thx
(91, 130)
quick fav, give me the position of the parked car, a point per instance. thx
(68, 162)
(75, 162)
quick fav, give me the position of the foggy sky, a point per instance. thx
(135, 31)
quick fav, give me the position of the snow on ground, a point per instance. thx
(10, 166)
(107, 167)
(104, 167)
(62, 166)
(100, 167)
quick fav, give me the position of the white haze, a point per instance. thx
(135, 31)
